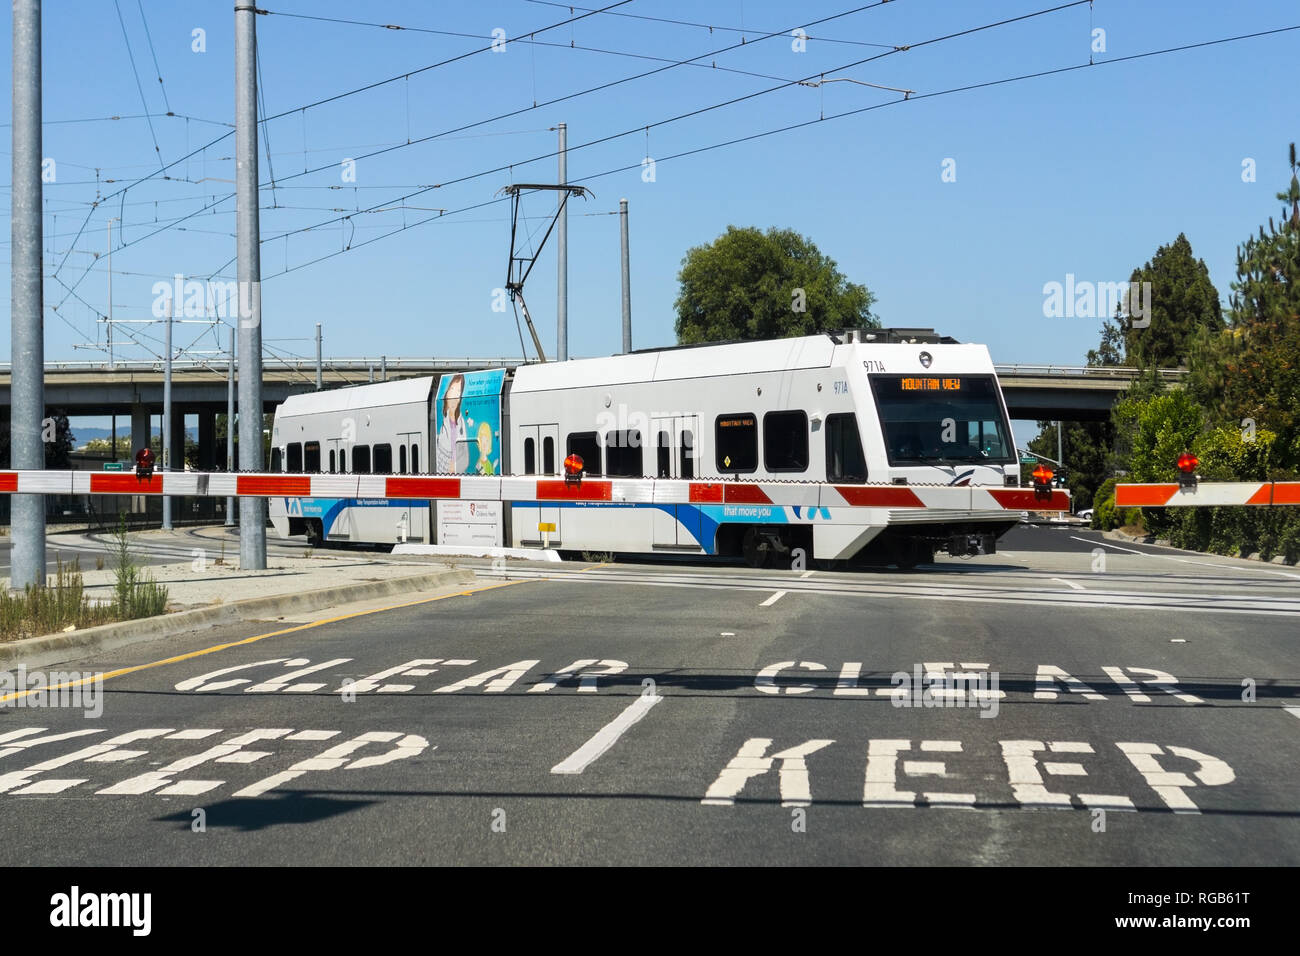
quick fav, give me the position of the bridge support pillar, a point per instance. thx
(208, 457)
(141, 430)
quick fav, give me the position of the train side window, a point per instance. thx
(663, 456)
(588, 446)
(275, 459)
(844, 458)
(623, 457)
(736, 439)
(332, 461)
(688, 454)
(415, 459)
(293, 458)
(361, 460)
(311, 457)
(785, 441)
(548, 455)
(343, 461)
(383, 460)
(530, 457)
(401, 459)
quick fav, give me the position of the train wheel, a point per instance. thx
(756, 549)
(314, 535)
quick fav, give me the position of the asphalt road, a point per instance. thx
(1105, 704)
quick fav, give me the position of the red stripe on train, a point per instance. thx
(894, 496)
(422, 487)
(292, 486)
(705, 492)
(578, 491)
(745, 495)
(1026, 499)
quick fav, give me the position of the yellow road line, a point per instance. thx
(250, 640)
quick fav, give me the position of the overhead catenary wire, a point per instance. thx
(136, 73)
(686, 115)
(811, 122)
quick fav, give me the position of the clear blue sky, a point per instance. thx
(1085, 172)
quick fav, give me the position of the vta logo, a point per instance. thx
(813, 512)
(293, 506)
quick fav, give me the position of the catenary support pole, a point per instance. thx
(252, 511)
(627, 276)
(562, 254)
(168, 449)
(27, 388)
(230, 426)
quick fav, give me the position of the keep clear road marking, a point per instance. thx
(1077, 587)
(607, 736)
(773, 599)
(250, 640)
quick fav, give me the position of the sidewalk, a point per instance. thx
(203, 593)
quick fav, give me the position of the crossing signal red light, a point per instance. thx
(1043, 475)
(573, 468)
(1187, 463)
(144, 460)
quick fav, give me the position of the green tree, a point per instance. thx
(56, 451)
(1183, 299)
(1110, 351)
(749, 284)
(1086, 450)
(1253, 370)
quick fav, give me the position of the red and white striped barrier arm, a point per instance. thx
(532, 488)
(1173, 495)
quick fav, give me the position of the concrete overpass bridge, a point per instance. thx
(134, 389)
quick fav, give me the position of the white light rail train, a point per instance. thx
(874, 408)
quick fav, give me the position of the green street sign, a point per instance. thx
(115, 466)
(1028, 461)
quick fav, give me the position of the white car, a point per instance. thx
(1085, 514)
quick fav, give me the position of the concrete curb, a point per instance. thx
(57, 648)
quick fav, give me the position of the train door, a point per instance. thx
(674, 446)
(410, 519)
(541, 456)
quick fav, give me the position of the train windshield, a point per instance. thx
(942, 419)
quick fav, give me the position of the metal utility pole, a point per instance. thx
(383, 368)
(1060, 447)
(252, 511)
(27, 389)
(111, 363)
(167, 415)
(230, 426)
(627, 277)
(319, 378)
(562, 254)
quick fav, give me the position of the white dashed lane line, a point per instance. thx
(607, 736)
(773, 599)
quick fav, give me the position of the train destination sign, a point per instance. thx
(931, 384)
